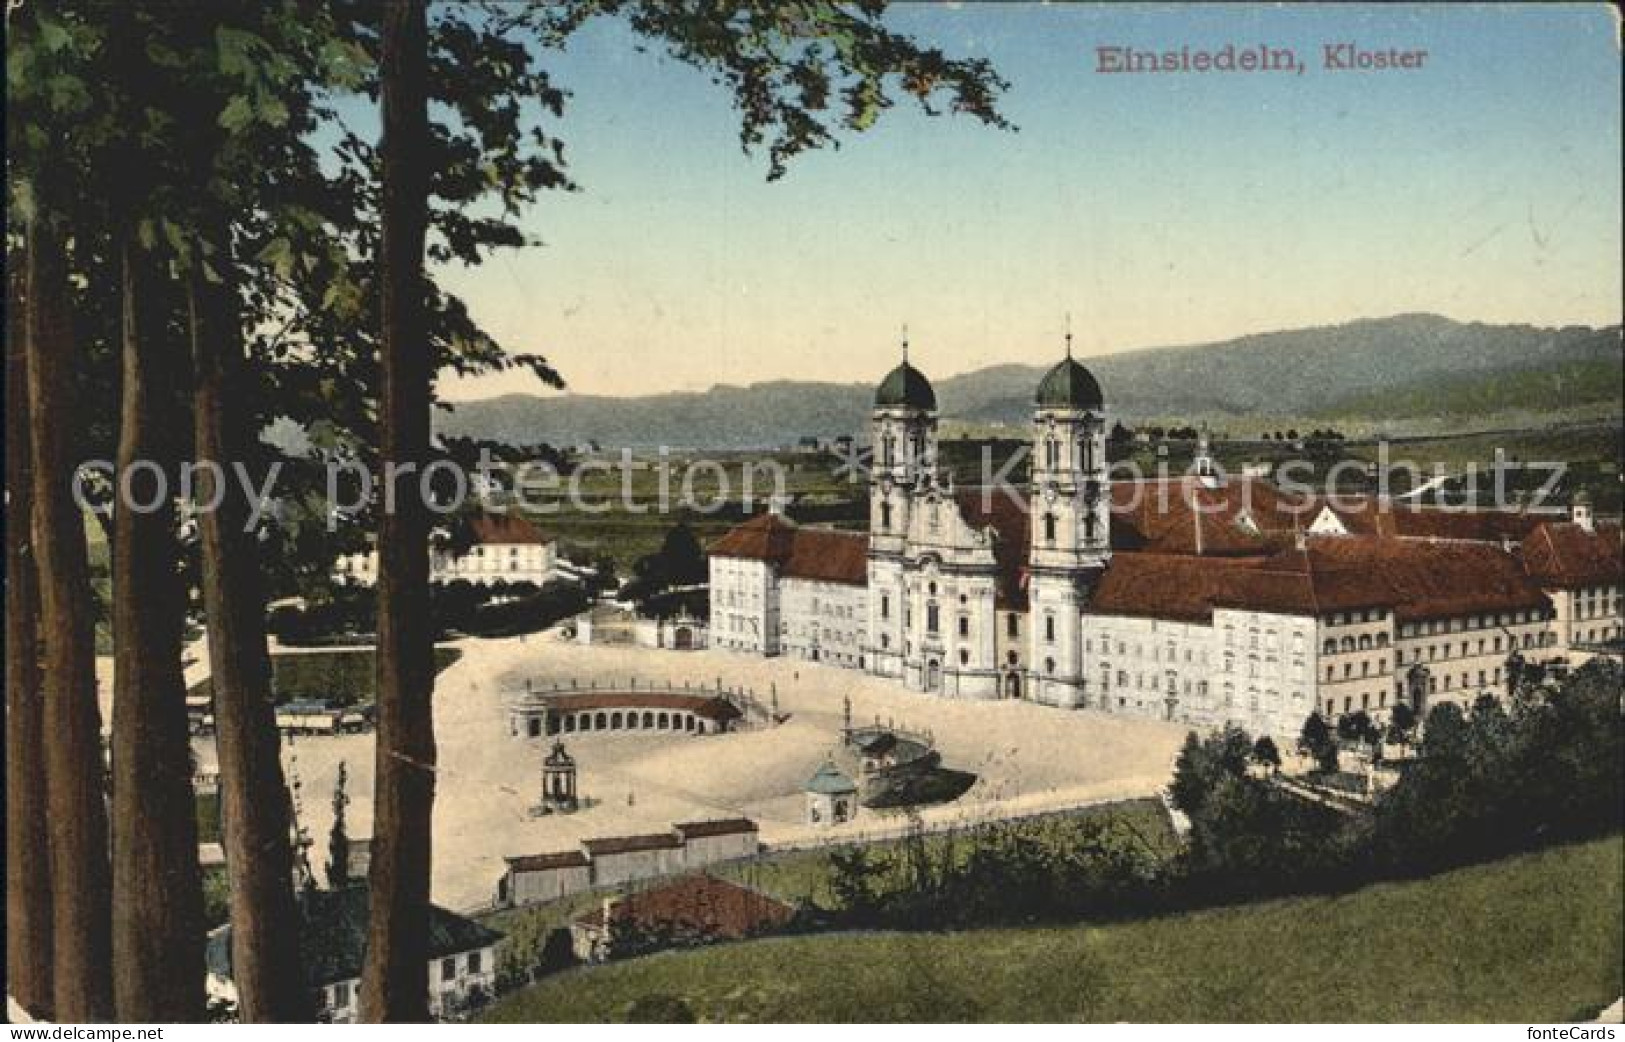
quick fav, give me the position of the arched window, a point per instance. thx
(885, 515)
(1329, 648)
(1049, 628)
(1049, 528)
(1365, 642)
(1049, 666)
(932, 617)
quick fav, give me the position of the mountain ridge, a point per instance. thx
(1314, 371)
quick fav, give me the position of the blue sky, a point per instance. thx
(1157, 209)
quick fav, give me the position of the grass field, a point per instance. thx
(343, 678)
(1533, 938)
(804, 875)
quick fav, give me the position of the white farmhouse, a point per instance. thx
(504, 548)
(332, 949)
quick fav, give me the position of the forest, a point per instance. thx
(231, 215)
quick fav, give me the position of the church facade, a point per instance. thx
(1197, 599)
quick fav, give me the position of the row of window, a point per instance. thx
(1365, 701)
(1485, 646)
(1269, 638)
(1365, 670)
(1471, 622)
(1354, 618)
(1365, 643)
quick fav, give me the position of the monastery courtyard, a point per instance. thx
(1027, 757)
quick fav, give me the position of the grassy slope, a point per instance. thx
(799, 876)
(1533, 938)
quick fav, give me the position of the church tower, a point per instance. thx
(1070, 524)
(903, 440)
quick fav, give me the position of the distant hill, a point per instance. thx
(1388, 368)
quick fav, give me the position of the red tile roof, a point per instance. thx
(765, 537)
(1564, 555)
(724, 827)
(822, 554)
(1370, 515)
(829, 556)
(699, 904)
(506, 529)
(1165, 586)
(631, 844)
(1184, 516)
(545, 862)
(1417, 580)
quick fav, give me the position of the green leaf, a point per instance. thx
(53, 37)
(278, 254)
(175, 236)
(237, 114)
(273, 112)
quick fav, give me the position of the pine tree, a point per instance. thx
(338, 839)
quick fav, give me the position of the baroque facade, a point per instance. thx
(1199, 598)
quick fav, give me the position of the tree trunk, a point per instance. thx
(28, 879)
(157, 888)
(395, 981)
(75, 770)
(265, 964)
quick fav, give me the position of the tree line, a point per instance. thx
(1507, 775)
(206, 239)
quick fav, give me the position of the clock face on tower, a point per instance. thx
(1049, 493)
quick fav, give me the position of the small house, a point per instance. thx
(333, 947)
(697, 909)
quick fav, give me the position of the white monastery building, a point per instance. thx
(1196, 599)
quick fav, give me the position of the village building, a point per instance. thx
(332, 949)
(534, 878)
(698, 909)
(503, 548)
(1199, 598)
(708, 842)
(617, 860)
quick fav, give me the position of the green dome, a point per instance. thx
(829, 781)
(1069, 386)
(908, 387)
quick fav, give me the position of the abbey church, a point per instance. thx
(1200, 598)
